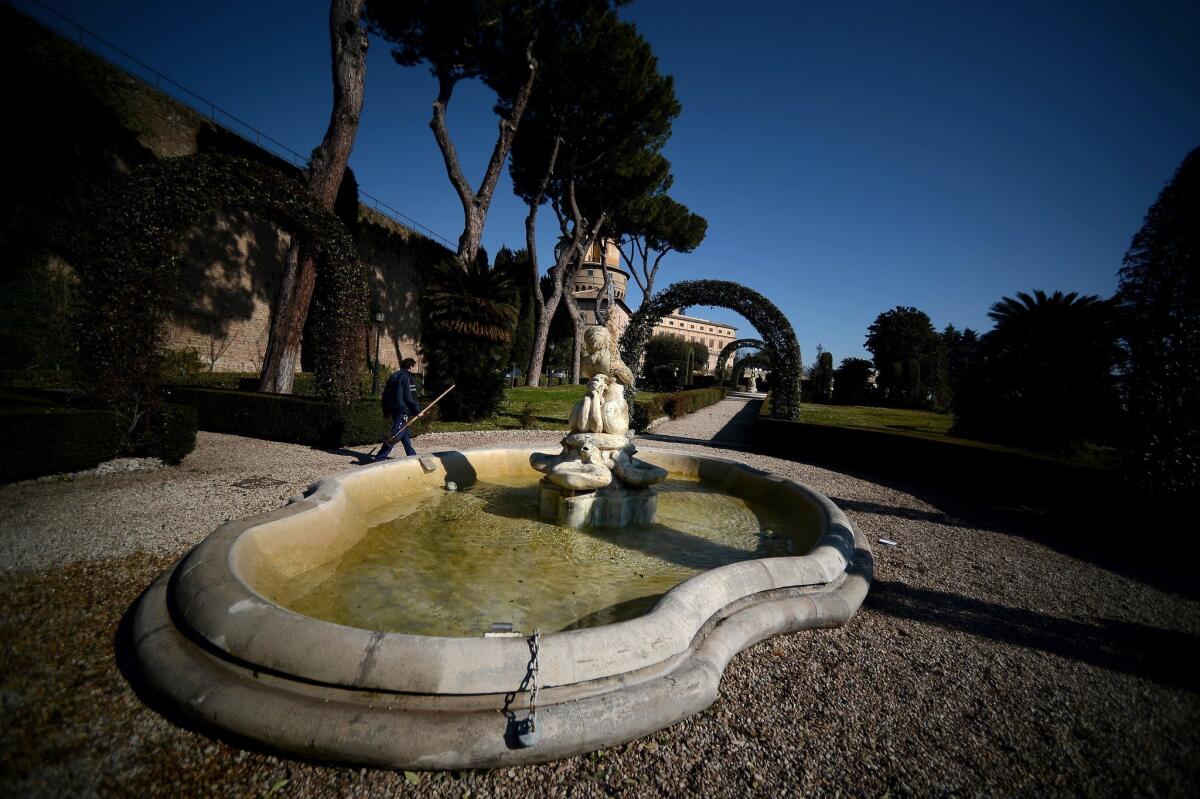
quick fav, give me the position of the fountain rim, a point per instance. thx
(211, 595)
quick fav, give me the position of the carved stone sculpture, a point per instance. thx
(579, 489)
(601, 356)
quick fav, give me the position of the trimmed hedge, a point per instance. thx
(979, 471)
(171, 434)
(674, 405)
(47, 439)
(279, 417)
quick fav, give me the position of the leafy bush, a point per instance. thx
(181, 363)
(278, 417)
(46, 439)
(171, 434)
(528, 416)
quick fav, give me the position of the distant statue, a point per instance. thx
(753, 384)
(601, 356)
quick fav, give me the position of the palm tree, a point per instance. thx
(476, 302)
(470, 317)
(1046, 372)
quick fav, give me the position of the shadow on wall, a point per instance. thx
(398, 260)
(228, 269)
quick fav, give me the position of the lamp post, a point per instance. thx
(377, 315)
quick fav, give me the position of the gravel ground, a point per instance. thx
(708, 422)
(983, 662)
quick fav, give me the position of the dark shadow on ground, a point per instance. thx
(861, 506)
(736, 434)
(739, 430)
(1097, 529)
(360, 458)
(1135, 649)
(701, 442)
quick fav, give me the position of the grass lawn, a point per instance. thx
(551, 407)
(930, 424)
(894, 419)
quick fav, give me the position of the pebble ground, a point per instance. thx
(984, 661)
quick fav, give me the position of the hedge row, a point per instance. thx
(277, 417)
(980, 471)
(674, 405)
(49, 439)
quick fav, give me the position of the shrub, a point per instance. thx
(528, 416)
(674, 405)
(279, 417)
(171, 434)
(181, 363)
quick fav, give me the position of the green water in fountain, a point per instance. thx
(452, 563)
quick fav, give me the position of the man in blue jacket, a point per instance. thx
(400, 403)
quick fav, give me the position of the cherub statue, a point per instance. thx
(601, 356)
(616, 410)
(588, 414)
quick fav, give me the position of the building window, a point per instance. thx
(589, 273)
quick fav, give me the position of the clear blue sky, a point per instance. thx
(849, 157)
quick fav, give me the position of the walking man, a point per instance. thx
(400, 403)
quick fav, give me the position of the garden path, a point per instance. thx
(728, 424)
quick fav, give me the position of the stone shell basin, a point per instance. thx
(218, 649)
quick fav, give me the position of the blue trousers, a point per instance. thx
(405, 439)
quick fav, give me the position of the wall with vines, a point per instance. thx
(127, 253)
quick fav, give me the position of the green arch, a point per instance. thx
(128, 259)
(753, 359)
(732, 347)
(779, 339)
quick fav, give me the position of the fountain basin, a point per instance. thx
(212, 641)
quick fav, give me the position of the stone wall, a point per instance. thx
(110, 122)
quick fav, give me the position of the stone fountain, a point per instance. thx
(596, 481)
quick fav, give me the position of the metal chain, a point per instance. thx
(534, 646)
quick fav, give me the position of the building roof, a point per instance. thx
(674, 315)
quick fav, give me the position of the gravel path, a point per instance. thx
(723, 421)
(982, 663)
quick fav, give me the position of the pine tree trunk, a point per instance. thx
(577, 327)
(348, 40)
(541, 338)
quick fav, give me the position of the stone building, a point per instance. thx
(714, 335)
(589, 282)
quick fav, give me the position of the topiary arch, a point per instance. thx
(754, 359)
(778, 338)
(732, 347)
(127, 254)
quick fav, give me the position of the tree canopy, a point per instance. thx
(908, 355)
(1159, 298)
(851, 383)
(590, 140)
(649, 226)
(494, 41)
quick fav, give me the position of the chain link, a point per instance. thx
(534, 647)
